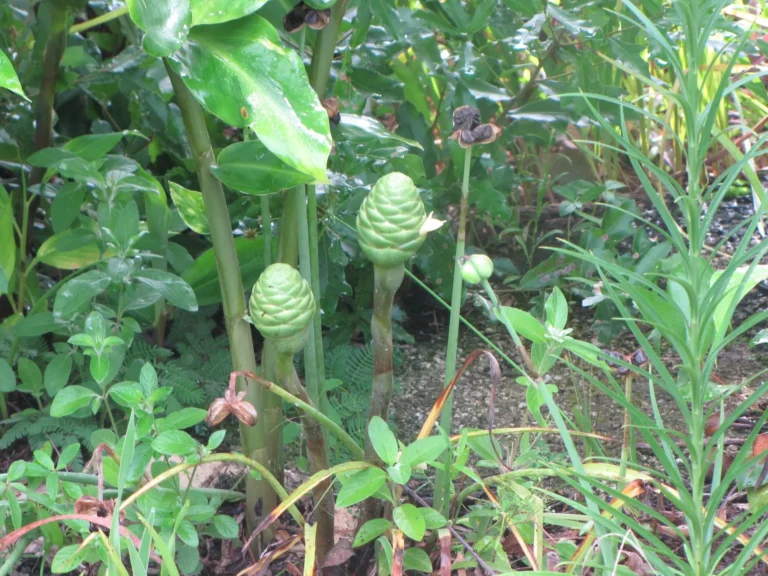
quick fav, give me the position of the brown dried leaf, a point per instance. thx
(339, 554)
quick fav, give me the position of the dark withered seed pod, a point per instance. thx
(639, 358)
(318, 19)
(485, 133)
(293, 22)
(466, 118)
(622, 370)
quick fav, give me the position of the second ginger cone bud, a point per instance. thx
(390, 220)
(281, 307)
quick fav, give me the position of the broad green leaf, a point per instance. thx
(416, 559)
(7, 377)
(226, 526)
(127, 394)
(371, 530)
(261, 85)
(7, 239)
(67, 455)
(174, 443)
(251, 168)
(13, 504)
(382, 440)
(556, 308)
(365, 130)
(57, 374)
(52, 253)
(148, 380)
(525, 324)
(99, 367)
(30, 375)
(36, 325)
(218, 11)
(68, 559)
(172, 287)
(75, 294)
(16, 470)
(215, 439)
(184, 418)
(166, 23)
(360, 486)
(760, 338)
(432, 518)
(410, 521)
(424, 450)
(93, 146)
(44, 459)
(8, 78)
(400, 473)
(191, 208)
(70, 399)
(66, 205)
(203, 277)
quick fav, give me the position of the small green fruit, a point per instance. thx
(476, 268)
(282, 307)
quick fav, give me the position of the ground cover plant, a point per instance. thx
(227, 227)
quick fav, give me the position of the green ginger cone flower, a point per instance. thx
(282, 306)
(390, 220)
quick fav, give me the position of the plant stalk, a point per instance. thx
(325, 46)
(625, 445)
(259, 495)
(318, 457)
(54, 51)
(386, 283)
(443, 478)
(316, 330)
(99, 20)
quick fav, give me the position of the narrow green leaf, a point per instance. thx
(191, 208)
(67, 455)
(162, 548)
(7, 238)
(8, 78)
(30, 375)
(367, 130)
(525, 324)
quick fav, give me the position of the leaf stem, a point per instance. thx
(99, 20)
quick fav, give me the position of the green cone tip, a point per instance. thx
(390, 220)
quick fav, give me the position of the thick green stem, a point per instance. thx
(259, 496)
(288, 249)
(266, 230)
(325, 46)
(386, 283)
(443, 479)
(316, 330)
(54, 51)
(12, 560)
(318, 457)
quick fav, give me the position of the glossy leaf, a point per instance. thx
(218, 11)
(8, 78)
(365, 130)
(51, 254)
(166, 23)
(320, 4)
(7, 377)
(410, 521)
(258, 84)
(75, 294)
(70, 400)
(203, 277)
(382, 439)
(424, 450)
(172, 287)
(371, 530)
(191, 207)
(99, 367)
(7, 239)
(251, 168)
